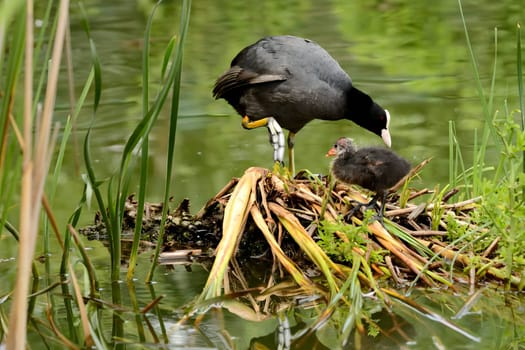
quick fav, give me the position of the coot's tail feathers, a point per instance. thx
(236, 78)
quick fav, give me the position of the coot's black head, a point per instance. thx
(366, 113)
(378, 121)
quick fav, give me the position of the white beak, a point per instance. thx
(385, 135)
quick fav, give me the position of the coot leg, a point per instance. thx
(382, 208)
(355, 209)
(369, 205)
(291, 159)
(276, 139)
(275, 131)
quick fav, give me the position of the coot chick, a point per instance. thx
(294, 80)
(374, 168)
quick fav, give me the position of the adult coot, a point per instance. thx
(294, 80)
(373, 168)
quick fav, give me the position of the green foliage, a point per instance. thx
(335, 246)
(503, 194)
(501, 184)
(357, 237)
(437, 210)
(455, 228)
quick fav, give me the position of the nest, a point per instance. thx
(271, 242)
(301, 226)
(264, 216)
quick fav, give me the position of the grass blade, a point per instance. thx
(175, 82)
(144, 149)
(520, 95)
(520, 79)
(479, 87)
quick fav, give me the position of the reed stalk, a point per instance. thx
(36, 159)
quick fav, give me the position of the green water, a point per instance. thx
(410, 56)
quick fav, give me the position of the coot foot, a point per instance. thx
(379, 216)
(373, 203)
(247, 123)
(358, 205)
(276, 135)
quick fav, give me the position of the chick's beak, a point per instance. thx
(332, 152)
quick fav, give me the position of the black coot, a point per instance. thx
(374, 168)
(294, 80)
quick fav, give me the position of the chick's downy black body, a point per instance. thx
(294, 81)
(373, 168)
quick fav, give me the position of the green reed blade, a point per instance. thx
(174, 81)
(144, 148)
(519, 64)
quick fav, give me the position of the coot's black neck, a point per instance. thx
(362, 110)
(357, 103)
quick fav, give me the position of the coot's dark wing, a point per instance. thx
(237, 77)
(295, 57)
(292, 57)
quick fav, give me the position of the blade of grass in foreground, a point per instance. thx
(144, 149)
(520, 95)
(479, 87)
(520, 79)
(494, 67)
(35, 168)
(9, 11)
(9, 80)
(489, 131)
(174, 113)
(10, 147)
